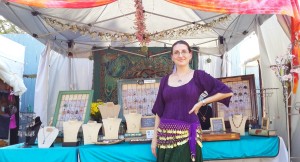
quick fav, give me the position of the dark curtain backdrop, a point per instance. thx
(111, 65)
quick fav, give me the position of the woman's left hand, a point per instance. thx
(196, 108)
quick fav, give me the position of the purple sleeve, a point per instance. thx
(159, 105)
(213, 86)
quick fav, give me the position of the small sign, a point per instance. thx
(149, 134)
(149, 81)
(217, 124)
(148, 121)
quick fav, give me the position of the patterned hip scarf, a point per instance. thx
(172, 133)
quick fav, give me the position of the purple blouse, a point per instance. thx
(176, 102)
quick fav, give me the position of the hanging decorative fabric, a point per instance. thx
(240, 7)
(295, 39)
(284, 7)
(63, 3)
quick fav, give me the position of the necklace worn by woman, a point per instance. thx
(239, 124)
(182, 76)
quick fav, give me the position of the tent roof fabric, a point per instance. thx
(119, 17)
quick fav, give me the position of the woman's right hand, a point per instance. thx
(153, 146)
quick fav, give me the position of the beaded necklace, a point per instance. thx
(239, 124)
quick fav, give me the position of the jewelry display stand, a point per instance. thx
(204, 115)
(238, 123)
(133, 121)
(31, 132)
(70, 129)
(90, 132)
(111, 128)
(47, 136)
(109, 110)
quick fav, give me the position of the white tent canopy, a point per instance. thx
(119, 18)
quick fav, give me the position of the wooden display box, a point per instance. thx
(220, 136)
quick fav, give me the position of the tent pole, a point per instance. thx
(286, 102)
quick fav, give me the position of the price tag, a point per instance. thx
(149, 133)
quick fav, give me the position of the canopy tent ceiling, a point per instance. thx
(176, 22)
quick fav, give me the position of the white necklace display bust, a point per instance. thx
(237, 123)
(133, 121)
(70, 129)
(46, 136)
(111, 128)
(90, 132)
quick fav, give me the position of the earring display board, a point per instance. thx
(242, 102)
(72, 105)
(138, 96)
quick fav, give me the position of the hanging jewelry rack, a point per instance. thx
(265, 94)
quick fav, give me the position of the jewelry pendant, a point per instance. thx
(203, 119)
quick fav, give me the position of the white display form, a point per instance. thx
(47, 136)
(90, 132)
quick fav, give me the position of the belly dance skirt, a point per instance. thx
(173, 133)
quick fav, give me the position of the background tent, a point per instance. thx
(12, 64)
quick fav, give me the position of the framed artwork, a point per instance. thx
(217, 124)
(72, 105)
(265, 121)
(243, 100)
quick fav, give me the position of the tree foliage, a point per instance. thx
(6, 27)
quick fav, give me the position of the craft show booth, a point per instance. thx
(100, 72)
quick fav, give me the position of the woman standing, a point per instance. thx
(177, 132)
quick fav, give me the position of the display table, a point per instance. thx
(252, 148)
(247, 149)
(117, 152)
(57, 153)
